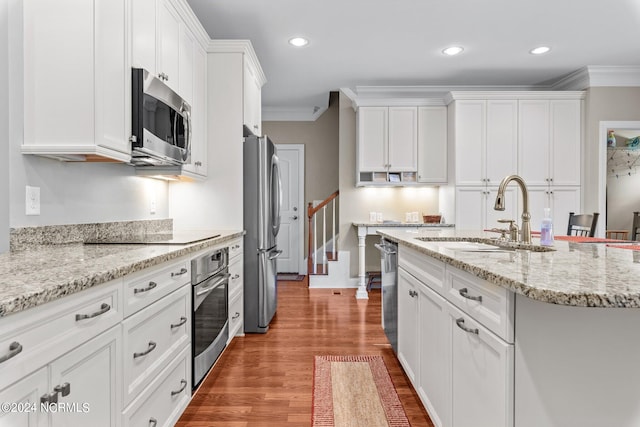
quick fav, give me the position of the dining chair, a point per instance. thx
(617, 234)
(635, 226)
(582, 224)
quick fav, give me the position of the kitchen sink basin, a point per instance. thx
(483, 245)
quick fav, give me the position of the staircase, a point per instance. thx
(324, 261)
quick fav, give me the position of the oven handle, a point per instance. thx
(215, 285)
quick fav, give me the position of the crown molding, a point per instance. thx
(239, 46)
(600, 76)
(193, 23)
(537, 94)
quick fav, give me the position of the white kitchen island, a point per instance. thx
(494, 337)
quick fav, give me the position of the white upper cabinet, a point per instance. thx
(432, 144)
(143, 35)
(403, 139)
(252, 99)
(550, 141)
(373, 138)
(198, 164)
(168, 60)
(77, 80)
(485, 140)
(186, 64)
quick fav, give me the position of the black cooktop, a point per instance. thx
(175, 238)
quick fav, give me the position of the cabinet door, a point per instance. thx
(534, 141)
(563, 201)
(143, 35)
(482, 375)
(403, 139)
(432, 144)
(185, 64)
(502, 140)
(112, 76)
(408, 325)
(434, 385)
(198, 163)
(169, 44)
(470, 205)
(25, 394)
(252, 98)
(93, 372)
(565, 142)
(470, 139)
(372, 139)
(539, 199)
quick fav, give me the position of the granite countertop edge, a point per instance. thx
(61, 285)
(573, 298)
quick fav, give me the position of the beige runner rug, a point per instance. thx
(355, 391)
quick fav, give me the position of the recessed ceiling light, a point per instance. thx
(539, 50)
(453, 50)
(298, 41)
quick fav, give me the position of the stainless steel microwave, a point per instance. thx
(160, 122)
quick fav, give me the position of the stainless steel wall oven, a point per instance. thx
(210, 281)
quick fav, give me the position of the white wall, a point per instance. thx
(4, 126)
(70, 192)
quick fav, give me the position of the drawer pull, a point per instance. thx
(463, 293)
(52, 397)
(152, 285)
(235, 316)
(152, 346)
(179, 273)
(183, 320)
(235, 277)
(103, 309)
(153, 422)
(65, 389)
(235, 247)
(184, 385)
(460, 323)
(14, 348)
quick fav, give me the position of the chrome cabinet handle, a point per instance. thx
(153, 422)
(235, 247)
(14, 348)
(460, 323)
(198, 163)
(103, 309)
(235, 277)
(147, 289)
(152, 346)
(413, 294)
(179, 273)
(464, 293)
(183, 320)
(235, 316)
(255, 126)
(52, 397)
(184, 385)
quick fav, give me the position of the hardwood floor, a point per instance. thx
(267, 379)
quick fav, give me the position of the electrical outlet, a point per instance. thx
(152, 207)
(32, 201)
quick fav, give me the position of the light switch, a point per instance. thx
(32, 201)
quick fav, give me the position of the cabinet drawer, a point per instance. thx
(489, 304)
(166, 397)
(426, 269)
(236, 317)
(154, 336)
(235, 278)
(44, 333)
(149, 285)
(235, 248)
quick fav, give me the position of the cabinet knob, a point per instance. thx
(198, 163)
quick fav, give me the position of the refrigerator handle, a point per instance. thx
(275, 174)
(275, 254)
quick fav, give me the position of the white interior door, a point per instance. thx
(291, 235)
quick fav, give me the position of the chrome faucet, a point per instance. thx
(525, 229)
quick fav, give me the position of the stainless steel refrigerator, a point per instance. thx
(262, 200)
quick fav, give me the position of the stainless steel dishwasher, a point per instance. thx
(389, 270)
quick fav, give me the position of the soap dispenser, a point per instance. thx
(546, 229)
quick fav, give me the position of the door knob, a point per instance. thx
(295, 209)
(294, 217)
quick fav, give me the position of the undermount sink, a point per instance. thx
(483, 245)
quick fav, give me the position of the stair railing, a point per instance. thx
(312, 214)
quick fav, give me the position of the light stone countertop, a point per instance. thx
(574, 274)
(44, 273)
(401, 224)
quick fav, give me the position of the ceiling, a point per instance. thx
(399, 42)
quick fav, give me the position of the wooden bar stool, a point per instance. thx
(617, 234)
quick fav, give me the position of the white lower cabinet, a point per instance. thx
(25, 394)
(91, 375)
(462, 371)
(481, 374)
